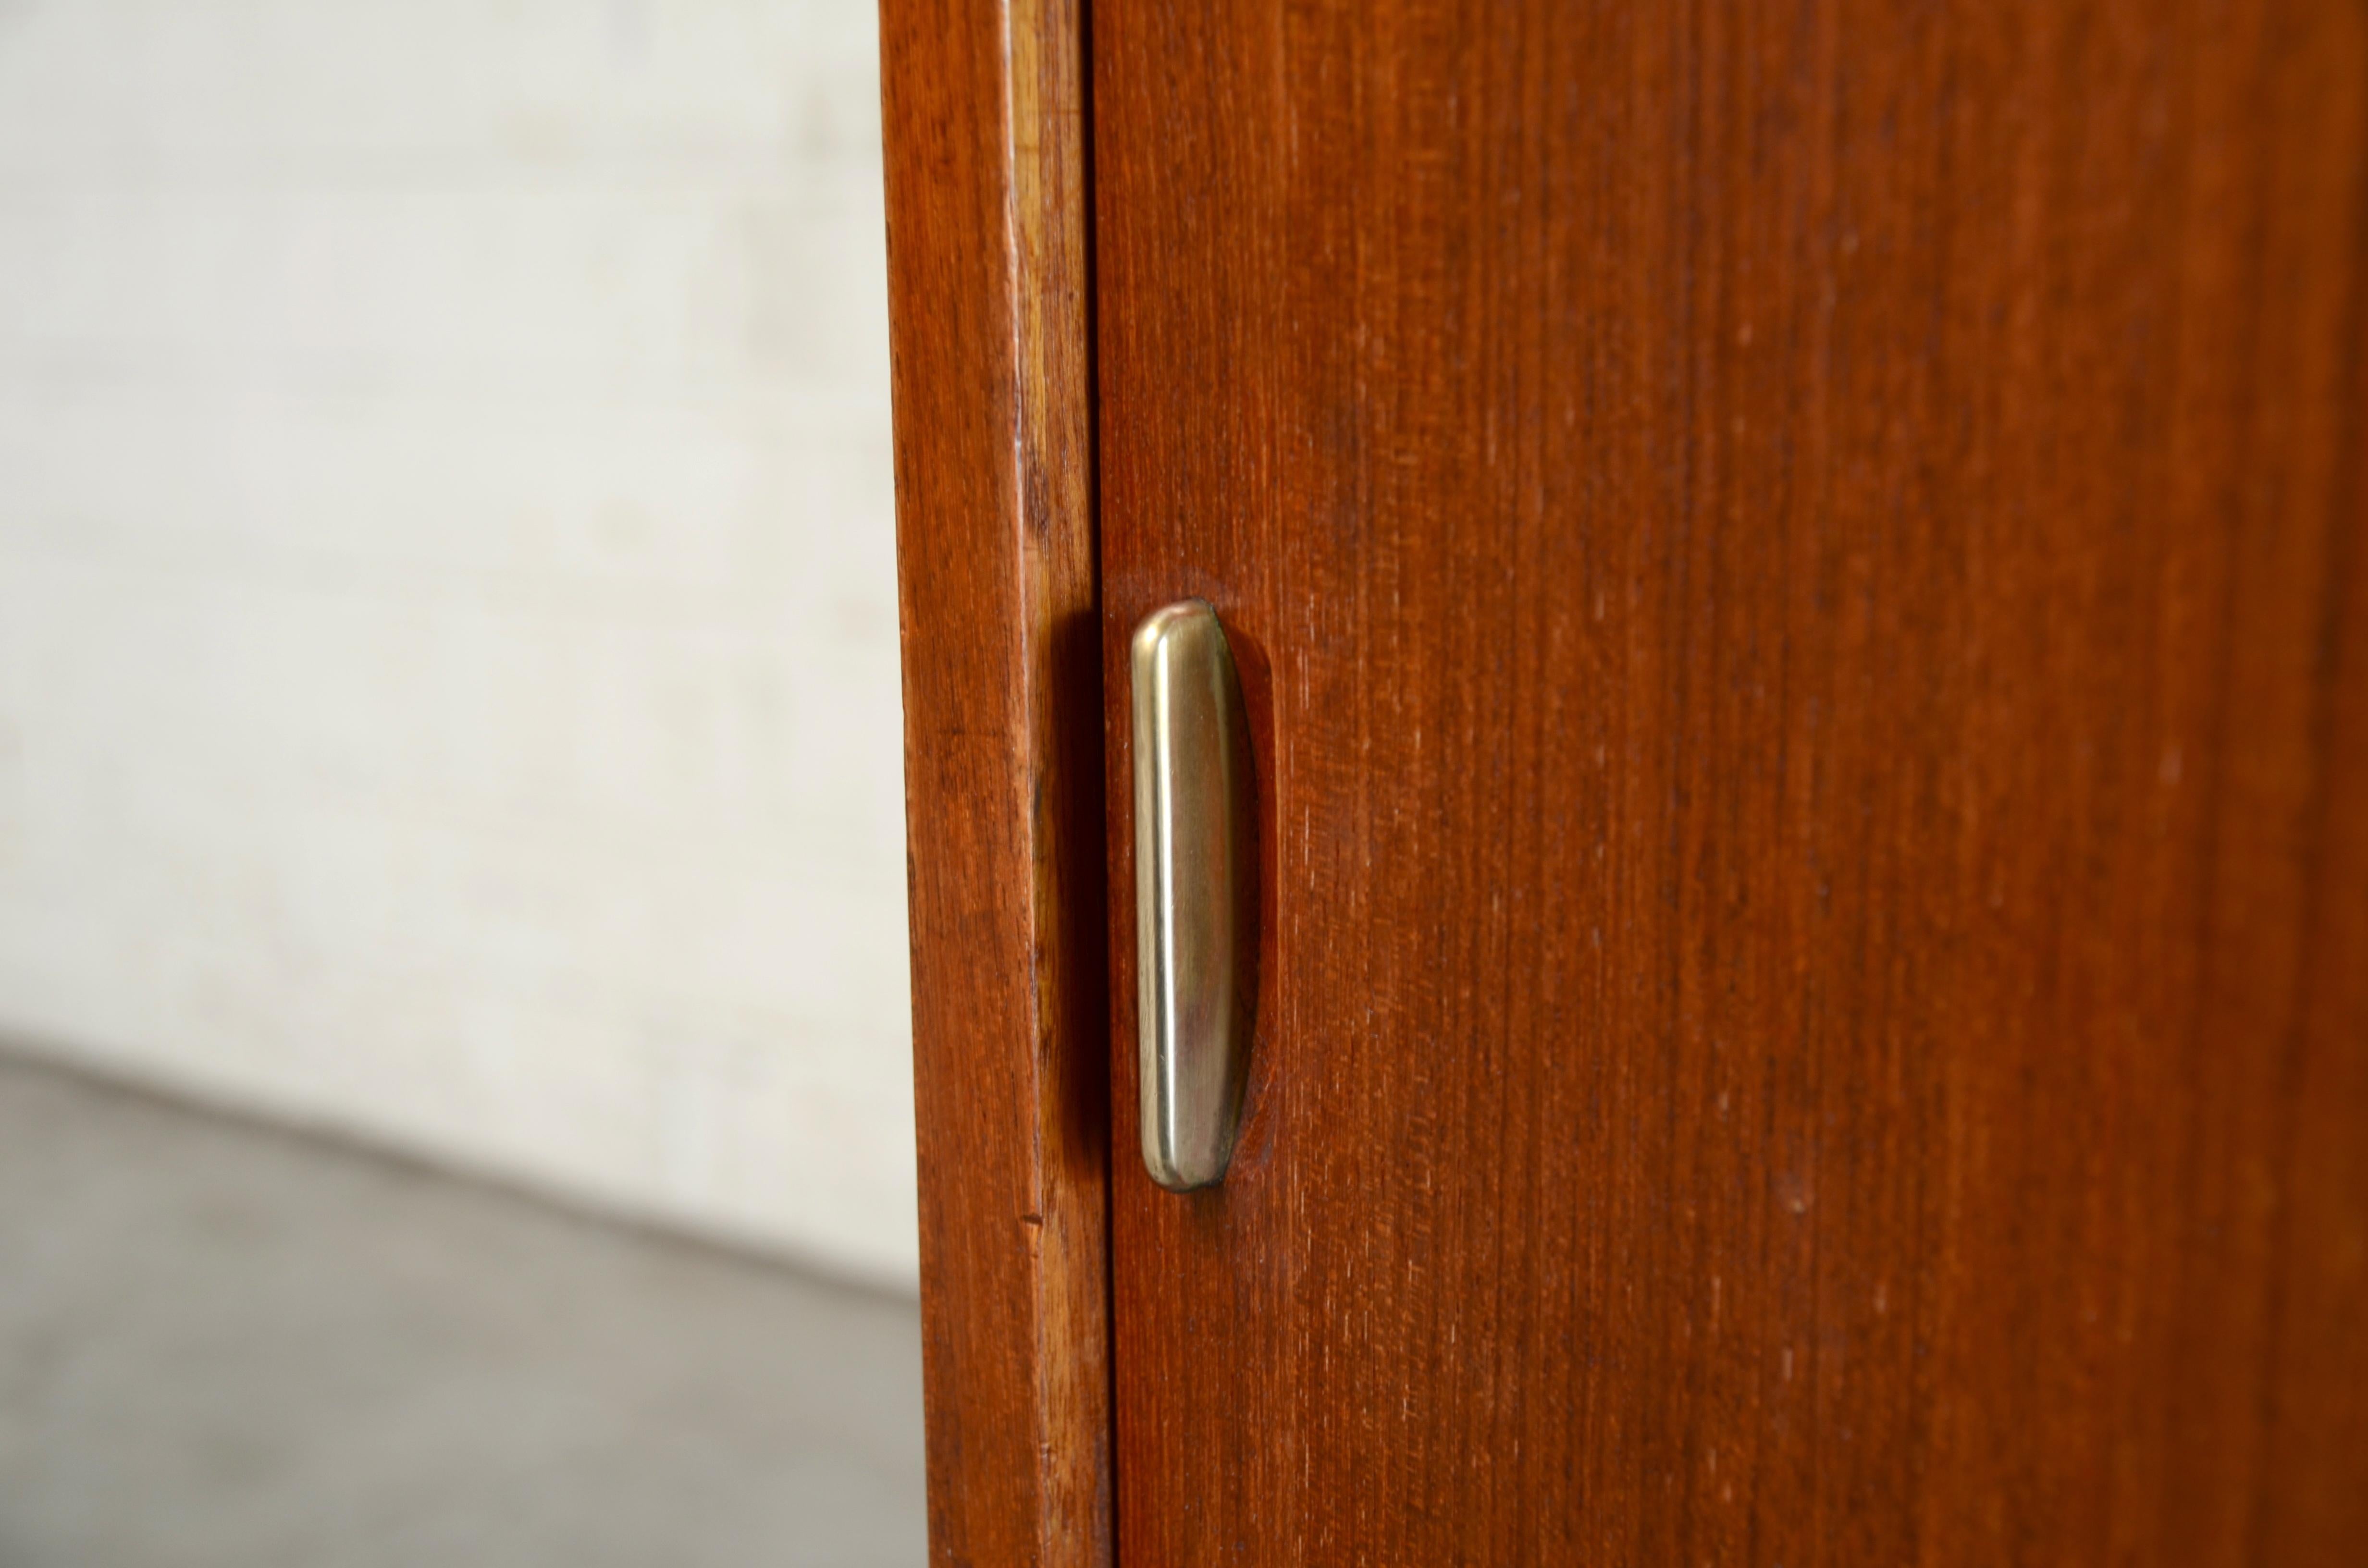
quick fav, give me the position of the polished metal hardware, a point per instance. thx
(1195, 894)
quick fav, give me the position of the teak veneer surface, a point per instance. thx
(987, 218)
(1804, 571)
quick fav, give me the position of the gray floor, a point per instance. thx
(224, 1345)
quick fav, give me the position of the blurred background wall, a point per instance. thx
(448, 641)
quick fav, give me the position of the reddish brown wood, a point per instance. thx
(987, 250)
(1809, 564)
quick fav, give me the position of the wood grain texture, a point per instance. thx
(1808, 564)
(988, 313)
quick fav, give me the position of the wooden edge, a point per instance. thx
(984, 131)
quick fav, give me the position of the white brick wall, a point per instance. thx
(447, 661)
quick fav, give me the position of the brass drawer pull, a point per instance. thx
(1195, 894)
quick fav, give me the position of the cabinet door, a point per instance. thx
(1799, 579)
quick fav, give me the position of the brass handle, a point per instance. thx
(1195, 894)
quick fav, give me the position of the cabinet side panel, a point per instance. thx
(988, 303)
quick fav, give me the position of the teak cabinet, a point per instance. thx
(1798, 582)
